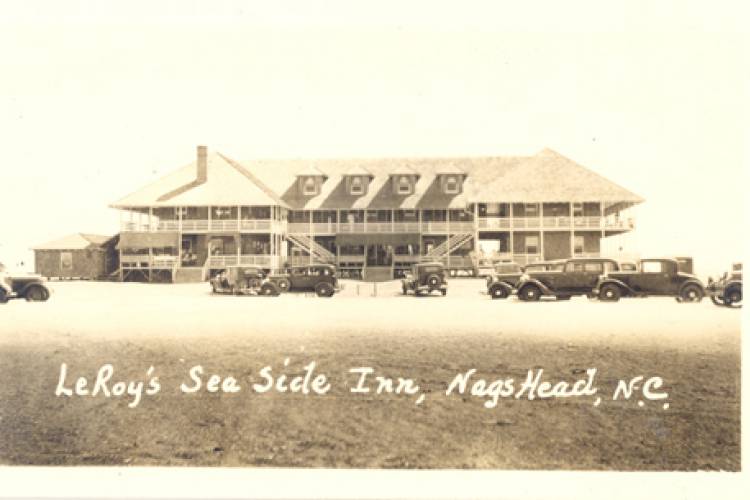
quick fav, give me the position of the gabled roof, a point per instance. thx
(77, 241)
(227, 183)
(310, 170)
(357, 170)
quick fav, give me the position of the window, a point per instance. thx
(532, 244)
(577, 209)
(593, 267)
(531, 210)
(356, 185)
(578, 244)
(310, 186)
(404, 185)
(451, 185)
(66, 261)
(652, 266)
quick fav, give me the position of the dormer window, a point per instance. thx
(356, 186)
(310, 181)
(451, 180)
(451, 184)
(309, 186)
(404, 185)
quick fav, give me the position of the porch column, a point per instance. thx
(572, 229)
(510, 230)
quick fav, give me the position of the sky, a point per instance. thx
(97, 101)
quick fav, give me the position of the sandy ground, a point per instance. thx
(695, 348)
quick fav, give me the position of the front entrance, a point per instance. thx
(379, 255)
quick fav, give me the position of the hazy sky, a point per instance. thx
(95, 103)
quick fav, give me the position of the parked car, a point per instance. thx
(243, 280)
(727, 290)
(320, 278)
(578, 276)
(508, 271)
(29, 287)
(505, 280)
(425, 277)
(652, 277)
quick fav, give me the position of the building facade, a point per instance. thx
(373, 218)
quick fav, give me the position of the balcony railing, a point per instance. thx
(565, 222)
(154, 262)
(266, 261)
(379, 227)
(203, 225)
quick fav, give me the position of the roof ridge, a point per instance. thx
(255, 180)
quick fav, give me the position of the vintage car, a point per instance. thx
(243, 280)
(425, 277)
(508, 274)
(29, 287)
(578, 276)
(320, 278)
(507, 271)
(652, 277)
(727, 290)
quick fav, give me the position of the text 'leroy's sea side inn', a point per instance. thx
(372, 218)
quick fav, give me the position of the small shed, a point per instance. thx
(82, 256)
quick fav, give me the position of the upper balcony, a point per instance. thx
(205, 226)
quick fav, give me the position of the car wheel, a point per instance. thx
(444, 292)
(530, 293)
(3, 296)
(284, 284)
(323, 290)
(719, 301)
(36, 293)
(498, 292)
(269, 290)
(733, 296)
(610, 293)
(433, 280)
(691, 293)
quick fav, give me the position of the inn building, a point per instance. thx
(372, 218)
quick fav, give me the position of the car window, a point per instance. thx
(652, 266)
(299, 271)
(593, 267)
(574, 267)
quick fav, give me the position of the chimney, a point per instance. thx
(202, 170)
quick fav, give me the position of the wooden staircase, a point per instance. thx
(309, 245)
(453, 242)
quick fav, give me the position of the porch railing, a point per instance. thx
(204, 225)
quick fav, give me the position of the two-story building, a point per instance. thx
(372, 217)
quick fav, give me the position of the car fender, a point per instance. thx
(22, 292)
(502, 284)
(692, 281)
(544, 288)
(620, 283)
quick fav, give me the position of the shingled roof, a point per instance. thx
(227, 183)
(544, 177)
